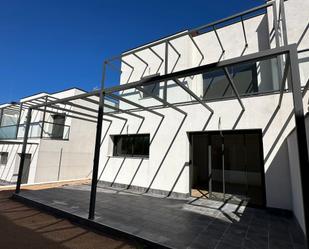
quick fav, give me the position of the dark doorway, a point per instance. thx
(227, 165)
(26, 168)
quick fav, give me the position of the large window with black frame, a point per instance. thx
(135, 145)
(249, 78)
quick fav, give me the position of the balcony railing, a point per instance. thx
(50, 131)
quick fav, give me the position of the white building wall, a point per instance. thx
(72, 158)
(281, 175)
(9, 172)
(232, 39)
(53, 159)
(297, 16)
(157, 173)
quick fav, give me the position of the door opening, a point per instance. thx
(26, 168)
(228, 165)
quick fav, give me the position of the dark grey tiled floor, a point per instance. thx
(179, 223)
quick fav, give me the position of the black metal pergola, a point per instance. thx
(97, 98)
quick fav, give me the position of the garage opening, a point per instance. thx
(228, 165)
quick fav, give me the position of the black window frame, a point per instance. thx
(4, 157)
(127, 145)
(58, 127)
(233, 71)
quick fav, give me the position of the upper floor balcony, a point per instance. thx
(38, 130)
(43, 125)
(246, 33)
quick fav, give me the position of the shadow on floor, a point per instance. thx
(26, 227)
(179, 223)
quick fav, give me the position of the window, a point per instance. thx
(9, 118)
(4, 158)
(131, 145)
(216, 84)
(58, 126)
(152, 88)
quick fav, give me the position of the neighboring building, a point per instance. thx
(182, 153)
(55, 151)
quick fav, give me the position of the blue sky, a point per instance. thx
(51, 45)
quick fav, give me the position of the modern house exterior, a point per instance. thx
(238, 140)
(54, 150)
(217, 111)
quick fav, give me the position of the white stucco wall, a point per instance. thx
(72, 158)
(280, 168)
(232, 39)
(259, 111)
(76, 156)
(9, 172)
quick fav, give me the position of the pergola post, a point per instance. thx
(18, 120)
(23, 153)
(96, 158)
(43, 118)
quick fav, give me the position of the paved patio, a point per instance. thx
(176, 223)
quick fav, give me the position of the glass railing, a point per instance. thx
(50, 131)
(8, 132)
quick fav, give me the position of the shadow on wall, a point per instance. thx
(140, 163)
(277, 180)
(264, 67)
(276, 168)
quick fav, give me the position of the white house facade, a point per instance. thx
(219, 111)
(237, 140)
(54, 150)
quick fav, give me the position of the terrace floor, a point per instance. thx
(178, 223)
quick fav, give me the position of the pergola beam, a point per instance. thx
(231, 82)
(64, 100)
(71, 111)
(124, 111)
(164, 102)
(114, 96)
(67, 115)
(261, 55)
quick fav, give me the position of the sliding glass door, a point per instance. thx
(228, 165)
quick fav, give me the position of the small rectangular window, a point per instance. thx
(58, 126)
(131, 145)
(4, 158)
(153, 89)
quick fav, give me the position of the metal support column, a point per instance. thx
(43, 119)
(277, 40)
(301, 134)
(209, 172)
(223, 167)
(1, 115)
(96, 159)
(284, 28)
(165, 71)
(23, 153)
(18, 120)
